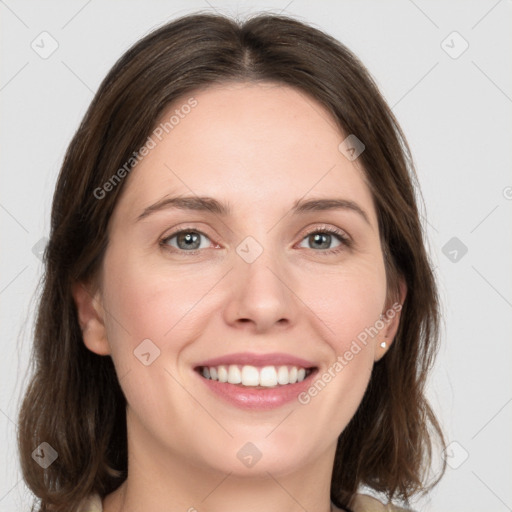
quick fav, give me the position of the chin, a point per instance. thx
(257, 456)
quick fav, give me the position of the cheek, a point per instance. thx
(347, 312)
(349, 303)
(146, 302)
(149, 317)
(157, 312)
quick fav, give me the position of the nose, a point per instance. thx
(261, 296)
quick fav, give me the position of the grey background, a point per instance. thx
(456, 113)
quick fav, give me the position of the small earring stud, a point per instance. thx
(383, 344)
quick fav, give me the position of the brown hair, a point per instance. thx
(74, 401)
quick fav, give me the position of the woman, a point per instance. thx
(238, 308)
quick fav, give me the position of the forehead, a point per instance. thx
(248, 143)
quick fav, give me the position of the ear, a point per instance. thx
(391, 319)
(91, 317)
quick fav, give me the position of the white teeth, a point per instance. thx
(283, 375)
(247, 375)
(223, 374)
(250, 376)
(268, 376)
(234, 374)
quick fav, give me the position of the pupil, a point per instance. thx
(318, 238)
(190, 240)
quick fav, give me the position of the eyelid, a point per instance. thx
(341, 233)
(343, 236)
(165, 238)
(328, 228)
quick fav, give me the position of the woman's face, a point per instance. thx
(264, 278)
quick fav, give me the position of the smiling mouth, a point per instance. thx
(262, 377)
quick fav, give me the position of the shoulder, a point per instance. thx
(91, 504)
(365, 503)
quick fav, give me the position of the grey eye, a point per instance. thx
(321, 240)
(186, 240)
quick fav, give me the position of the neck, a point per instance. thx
(161, 480)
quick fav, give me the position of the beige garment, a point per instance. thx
(361, 503)
(365, 503)
(91, 504)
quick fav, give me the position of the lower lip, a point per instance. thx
(258, 398)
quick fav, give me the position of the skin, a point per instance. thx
(258, 147)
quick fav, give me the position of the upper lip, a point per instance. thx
(248, 358)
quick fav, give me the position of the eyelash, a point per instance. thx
(342, 237)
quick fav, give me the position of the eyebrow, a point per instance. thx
(209, 204)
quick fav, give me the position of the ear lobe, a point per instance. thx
(91, 318)
(391, 318)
